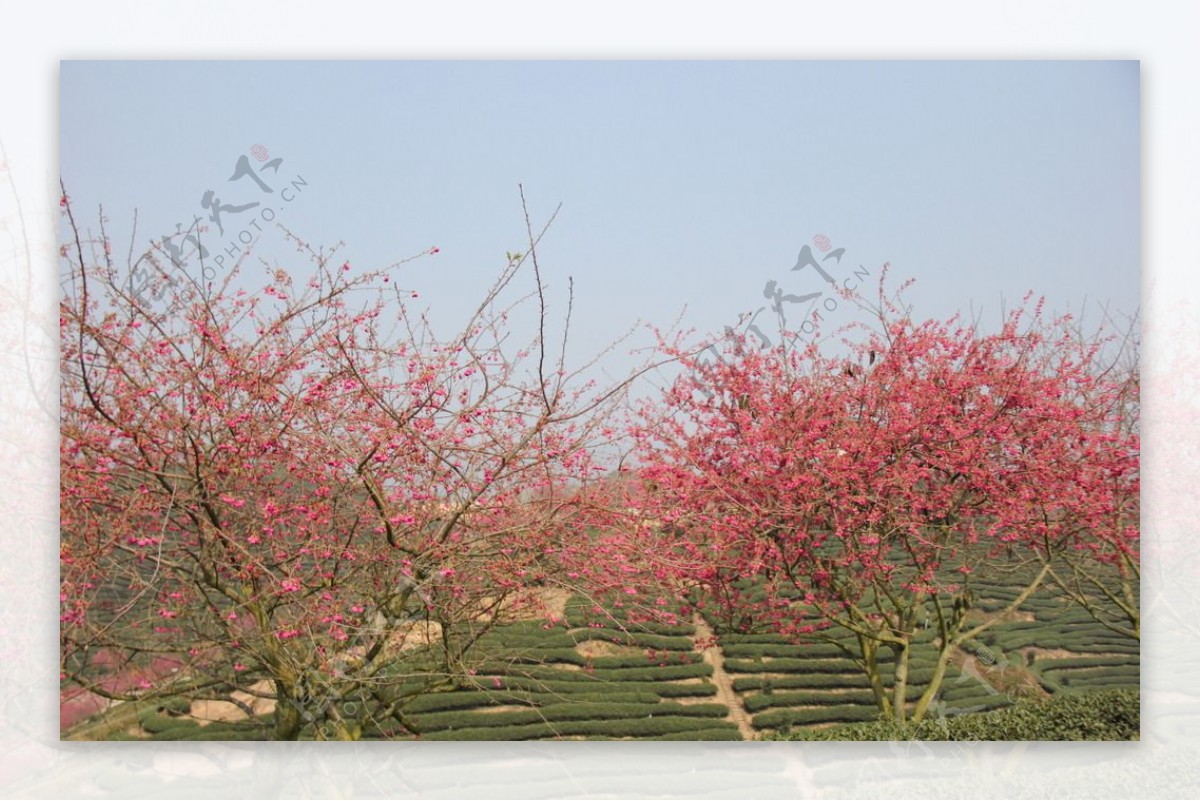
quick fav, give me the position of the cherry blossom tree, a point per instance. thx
(1104, 578)
(812, 493)
(301, 493)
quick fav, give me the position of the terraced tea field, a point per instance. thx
(601, 677)
(581, 681)
(1048, 647)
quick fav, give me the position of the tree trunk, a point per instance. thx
(935, 684)
(900, 688)
(870, 649)
(288, 720)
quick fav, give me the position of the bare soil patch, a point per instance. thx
(415, 635)
(206, 712)
(725, 693)
(594, 648)
(487, 710)
(555, 601)
(1013, 677)
(1062, 653)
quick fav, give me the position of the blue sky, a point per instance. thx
(681, 183)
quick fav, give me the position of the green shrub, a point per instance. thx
(1107, 715)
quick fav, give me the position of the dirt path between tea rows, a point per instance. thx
(714, 656)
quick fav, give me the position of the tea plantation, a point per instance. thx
(599, 676)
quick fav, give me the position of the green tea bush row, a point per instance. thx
(754, 639)
(760, 701)
(631, 727)
(588, 685)
(784, 718)
(817, 666)
(439, 721)
(651, 673)
(1067, 628)
(1099, 671)
(1097, 685)
(752, 650)
(979, 703)
(804, 681)
(641, 639)
(559, 638)
(155, 722)
(1092, 678)
(724, 733)
(503, 640)
(569, 656)
(968, 691)
(1079, 643)
(246, 730)
(581, 617)
(1043, 665)
(471, 699)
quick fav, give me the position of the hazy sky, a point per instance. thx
(681, 183)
